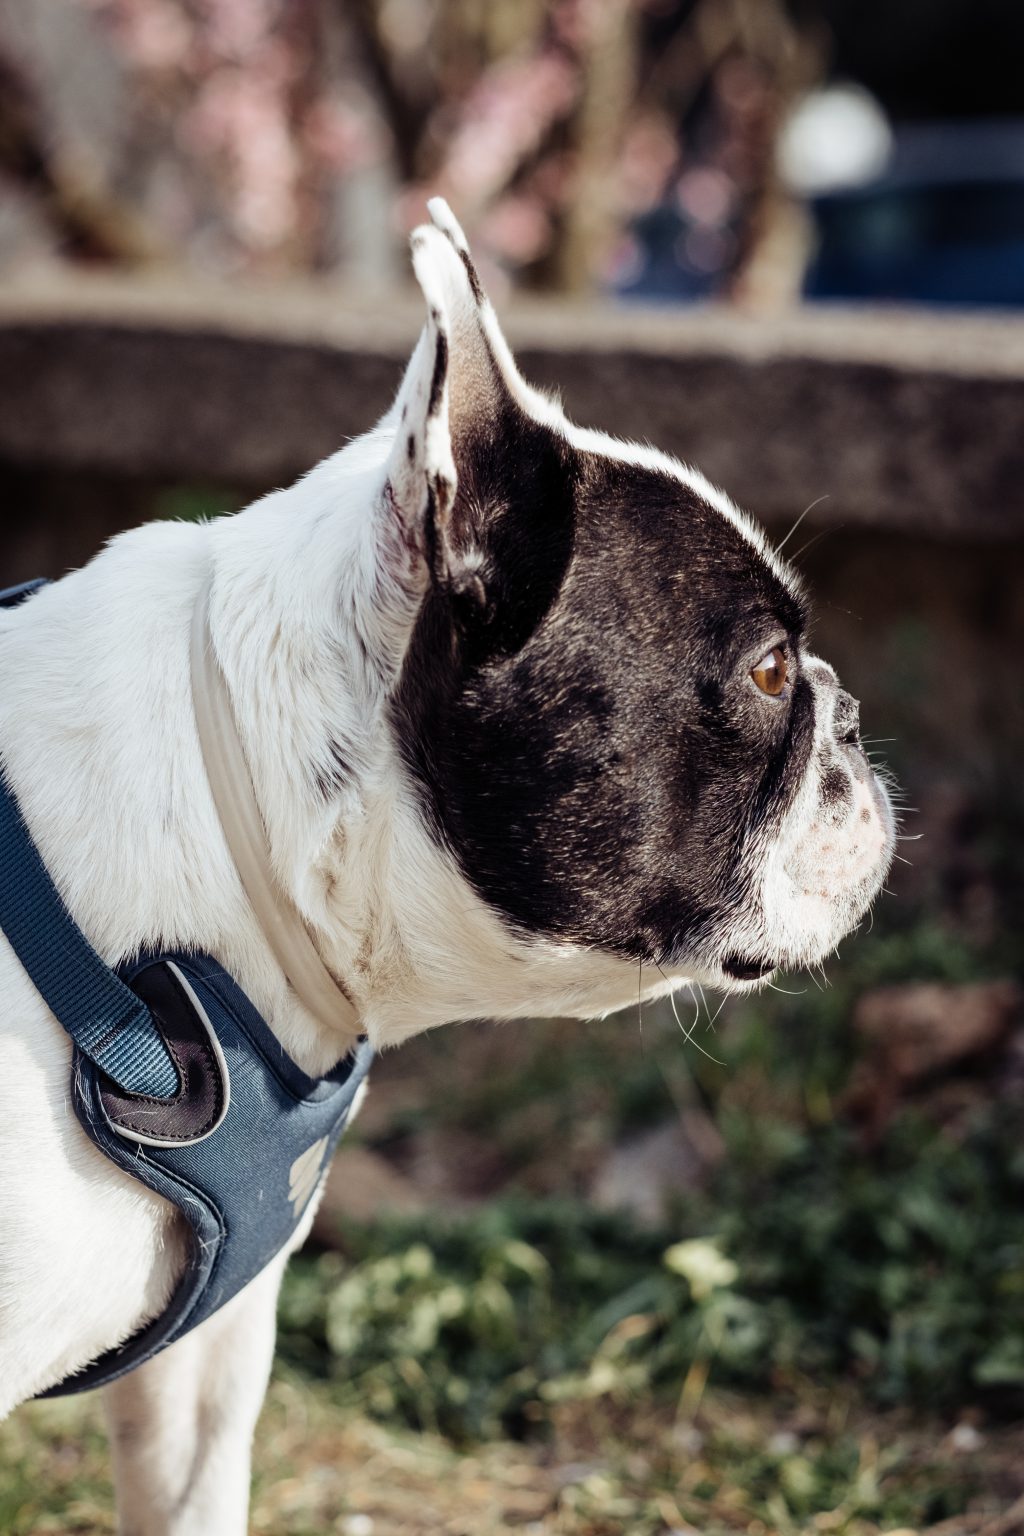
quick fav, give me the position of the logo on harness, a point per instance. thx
(304, 1175)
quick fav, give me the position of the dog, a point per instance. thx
(531, 726)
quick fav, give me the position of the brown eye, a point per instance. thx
(770, 672)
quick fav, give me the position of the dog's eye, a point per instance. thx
(771, 671)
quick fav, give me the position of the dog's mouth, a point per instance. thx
(743, 968)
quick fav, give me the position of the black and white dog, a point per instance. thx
(528, 715)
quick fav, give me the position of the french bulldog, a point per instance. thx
(531, 725)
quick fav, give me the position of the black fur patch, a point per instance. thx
(589, 744)
(471, 273)
(440, 371)
(331, 776)
(835, 788)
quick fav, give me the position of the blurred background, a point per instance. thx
(746, 150)
(756, 1267)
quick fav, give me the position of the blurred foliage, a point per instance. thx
(902, 1270)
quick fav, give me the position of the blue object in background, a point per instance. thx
(942, 225)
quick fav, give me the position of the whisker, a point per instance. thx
(711, 1022)
(639, 1002)
(688, 1034)
(718, 1010)
(799, 520)
(785, 990)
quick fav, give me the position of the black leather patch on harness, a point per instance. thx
(199, 1103)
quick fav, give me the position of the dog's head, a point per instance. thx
(597, 739)
(599, 696)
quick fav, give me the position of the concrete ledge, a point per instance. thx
(901, 420)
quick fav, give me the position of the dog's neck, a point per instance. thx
(230, 779)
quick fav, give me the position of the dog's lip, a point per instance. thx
(746, 967)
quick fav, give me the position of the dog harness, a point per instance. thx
(181, 1083)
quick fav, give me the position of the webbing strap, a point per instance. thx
(245, 834)
(104, 1017)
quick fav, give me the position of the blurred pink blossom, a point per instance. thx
(344, 134)
(708, 195)
(575, 22)
(236, 29)
(239, 117)
(518, 228)
(625, 262)
(152, 34)
(649, 154)
(505, 117)
(706, 250)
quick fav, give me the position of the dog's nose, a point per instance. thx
(846, 719)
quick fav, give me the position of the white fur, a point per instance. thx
(315, 592)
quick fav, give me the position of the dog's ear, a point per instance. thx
(469, 472)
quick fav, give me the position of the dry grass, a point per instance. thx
(740, 1465)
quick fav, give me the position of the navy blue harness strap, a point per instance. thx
(107, 1022)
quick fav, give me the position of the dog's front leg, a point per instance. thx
(181, 1426)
